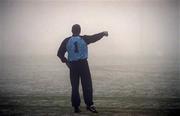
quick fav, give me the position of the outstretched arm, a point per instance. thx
(95, 37)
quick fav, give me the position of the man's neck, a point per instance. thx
(75, 35)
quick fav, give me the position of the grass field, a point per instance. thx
(107, 106)
(36, 87)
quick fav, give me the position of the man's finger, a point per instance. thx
(105, 33)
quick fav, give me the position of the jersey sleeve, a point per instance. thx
(62, 50)
(92, 38)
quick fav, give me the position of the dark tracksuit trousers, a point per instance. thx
(79, 70)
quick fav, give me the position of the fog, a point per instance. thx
(137, 28)
(179, 30)
(139, 58)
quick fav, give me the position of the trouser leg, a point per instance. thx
(87, 84)
(75, 97)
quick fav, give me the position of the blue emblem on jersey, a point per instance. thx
(76, 48)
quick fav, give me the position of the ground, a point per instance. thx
(60, 106)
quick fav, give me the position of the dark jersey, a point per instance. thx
(88, 39)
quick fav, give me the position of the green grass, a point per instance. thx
(107, 106)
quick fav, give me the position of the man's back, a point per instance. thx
(76, 48)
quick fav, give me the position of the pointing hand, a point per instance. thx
(105, 33)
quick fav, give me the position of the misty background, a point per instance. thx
(137, 28)
(140, 57)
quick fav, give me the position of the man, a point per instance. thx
(76, 47)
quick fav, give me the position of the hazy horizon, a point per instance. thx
(137, 28)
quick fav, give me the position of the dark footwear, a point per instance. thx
(77, 110)
(92, 109)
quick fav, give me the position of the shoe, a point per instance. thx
(77, 110)
(92, 109)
